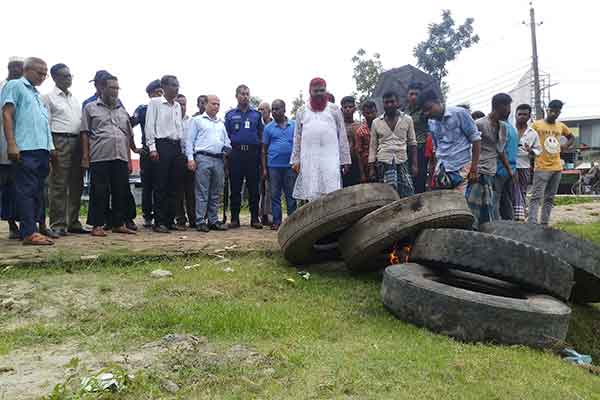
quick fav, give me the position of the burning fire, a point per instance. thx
(399, 254)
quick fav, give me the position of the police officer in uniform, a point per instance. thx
(244, 127)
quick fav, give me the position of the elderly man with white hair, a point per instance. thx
(29, 143)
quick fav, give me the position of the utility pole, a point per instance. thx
(539, 113)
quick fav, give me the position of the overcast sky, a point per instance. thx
(276, 47)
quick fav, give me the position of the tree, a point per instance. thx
(366, 73)
(296, 104)
(254, 101)
(445, 42)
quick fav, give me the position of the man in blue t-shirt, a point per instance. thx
(278, 140)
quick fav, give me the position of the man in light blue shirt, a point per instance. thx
(457, 141)
(29, 143)
(206, 144)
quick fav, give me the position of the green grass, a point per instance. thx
(587, 231)
(326, 337)
(572, 200)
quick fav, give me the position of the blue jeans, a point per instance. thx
(210, 179)
(282, 178)
(31, 172)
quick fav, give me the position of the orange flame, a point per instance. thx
(399, 255)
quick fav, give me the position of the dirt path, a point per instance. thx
(146, 242)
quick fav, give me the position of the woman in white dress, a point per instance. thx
(321, 147)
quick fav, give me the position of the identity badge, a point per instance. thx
(247, 124)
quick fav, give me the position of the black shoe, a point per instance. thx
(178, 227)
(234, 224)
(131, 226)
(79, 230)
(62, 232)
(193, 226)
(161, 229)
(256, 225)
(217, 227)
(49, 232)
(203, 228)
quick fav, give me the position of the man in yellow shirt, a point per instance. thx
(547, 172)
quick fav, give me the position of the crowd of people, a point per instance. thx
(190, 166)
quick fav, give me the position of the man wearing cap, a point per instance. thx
(457, 142)
(320, 145)
(8, 205)
(548, 168)
(147, 167)
(245, 127)
(99, 77)
(66, 175)
(29, 144)
(105, 136)
(164, 131)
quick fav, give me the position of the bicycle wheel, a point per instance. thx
(577, 188)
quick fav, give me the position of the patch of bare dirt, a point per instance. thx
(585, 213)
(27, 302)
(145, 242)
(27, 374)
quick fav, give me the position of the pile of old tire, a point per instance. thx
(311, 234)
(478, 286)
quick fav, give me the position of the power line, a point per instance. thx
(502, 77)
(486, 95)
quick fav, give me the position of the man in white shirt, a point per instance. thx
(529, 147)
(164, 131)
(65, 182)
(207, 143)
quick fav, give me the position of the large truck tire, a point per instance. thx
(366, 245)
(311, 234)
(495, 256)
(473, 308)
(583, 255)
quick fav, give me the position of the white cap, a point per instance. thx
(16, 59)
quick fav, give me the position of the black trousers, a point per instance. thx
(147, 175)
(353, 176)
(243, 165)
(420, 180)
(109, 185)
(168, 181)
(186, 199)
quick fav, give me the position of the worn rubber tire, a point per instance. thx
(365, 245)
(334, 212)
(495, 256)
(429, 298)
(583, 255)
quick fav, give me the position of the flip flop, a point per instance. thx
(37, 239)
